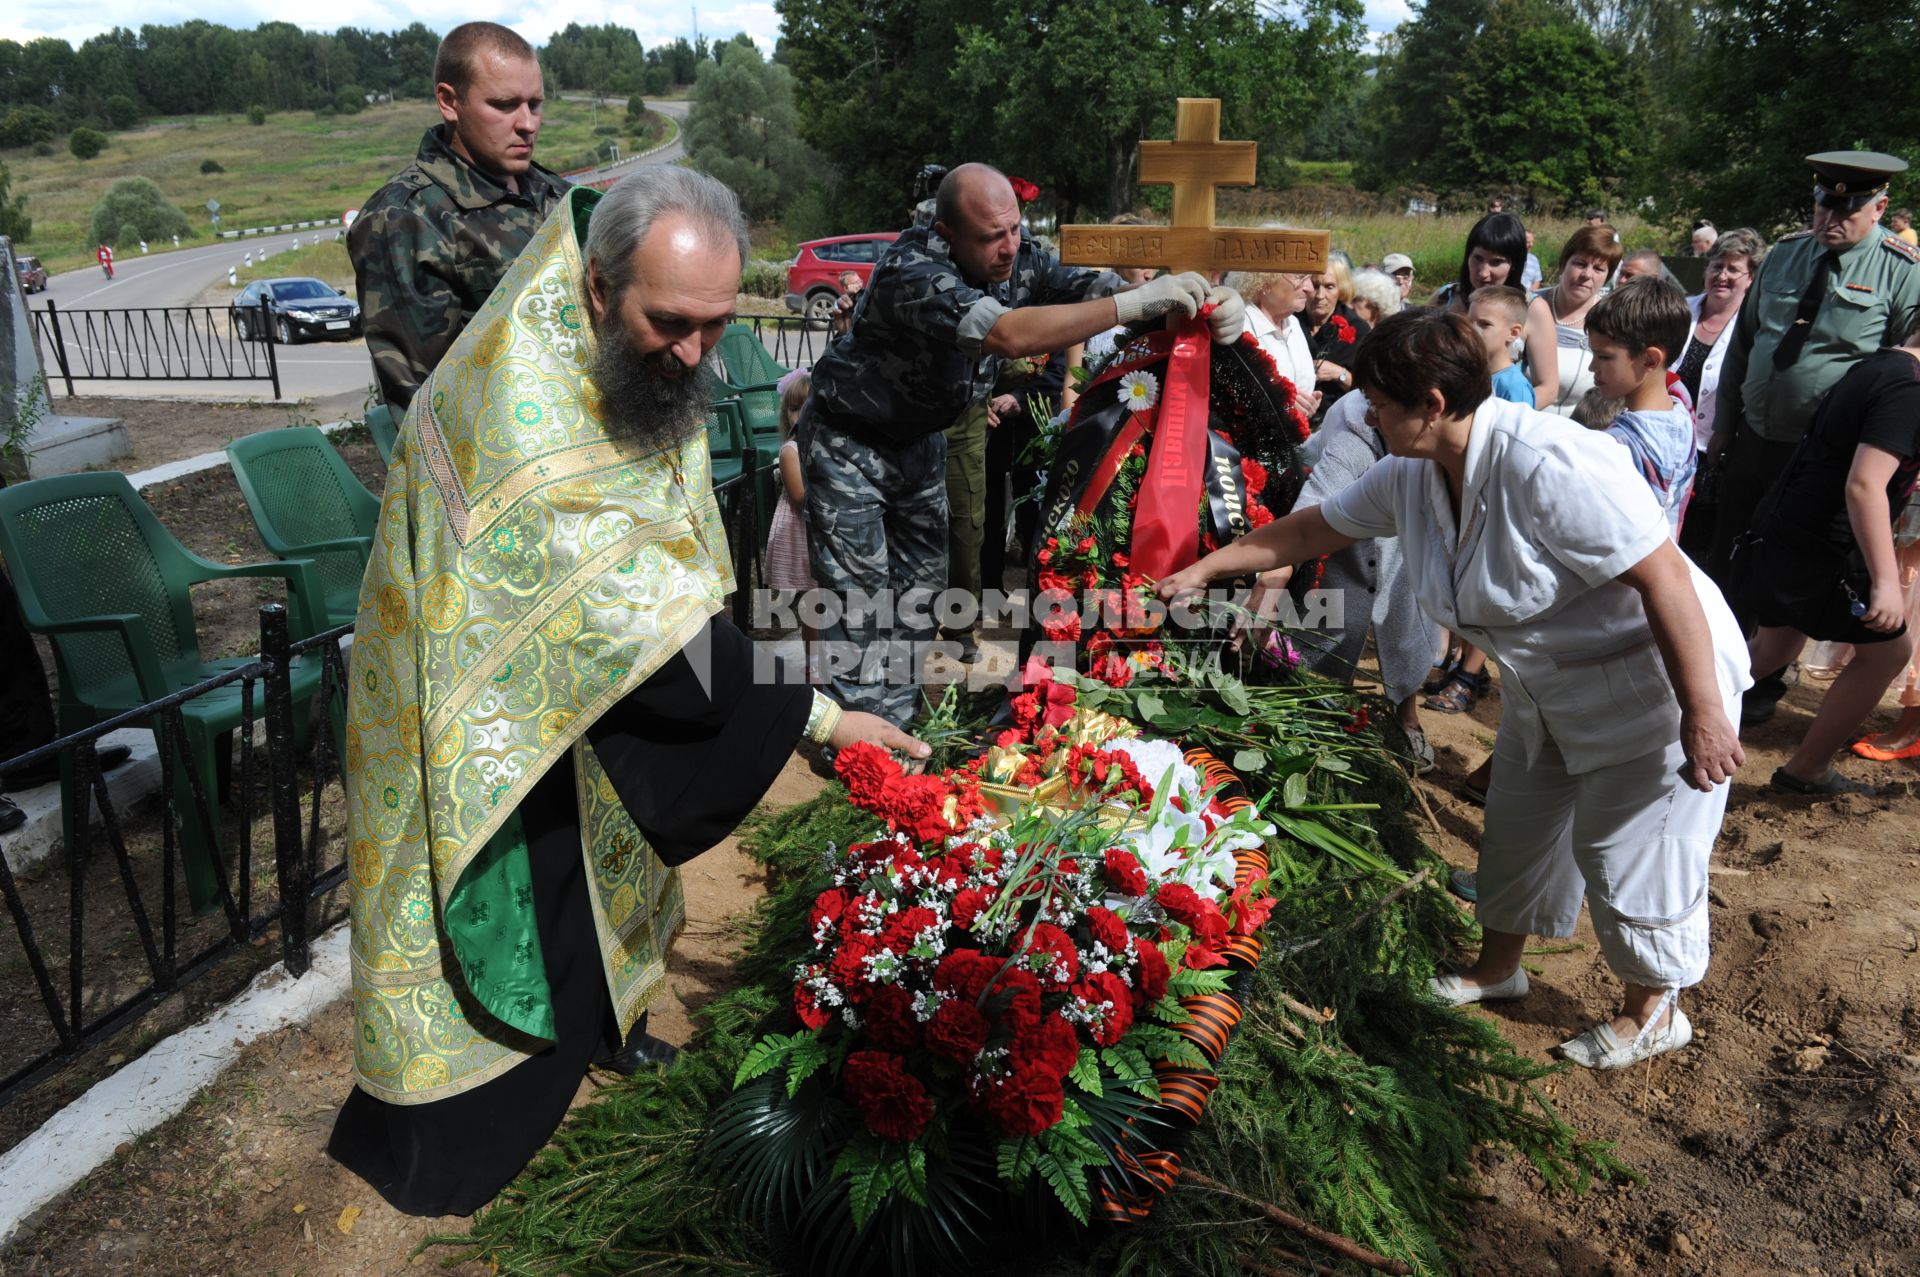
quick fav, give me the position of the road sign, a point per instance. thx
(346, 218)
(213, 206)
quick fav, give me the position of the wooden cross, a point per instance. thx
(1194, 164)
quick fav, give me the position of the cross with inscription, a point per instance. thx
(1194, 164)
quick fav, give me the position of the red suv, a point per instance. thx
(813, 277)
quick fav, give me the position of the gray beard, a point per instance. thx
(642, 405)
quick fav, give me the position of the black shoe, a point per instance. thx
(1827, 786)
(1759, 702)
(48, 771)
(641, 1051)
(11, 817)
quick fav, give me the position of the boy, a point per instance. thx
(1633, 332)
(1499, 315)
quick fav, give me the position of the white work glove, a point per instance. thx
(1186, 293)
(1229, 317)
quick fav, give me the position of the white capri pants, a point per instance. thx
(1634, 838)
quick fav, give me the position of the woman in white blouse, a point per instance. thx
(1733, 260)
(1274, 302)
(1622, 668)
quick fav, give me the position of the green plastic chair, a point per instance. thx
(750, 377)
(307, 504)
(385, 431)
(733, 460)
(97, 574)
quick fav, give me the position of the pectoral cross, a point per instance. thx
(1195, 163)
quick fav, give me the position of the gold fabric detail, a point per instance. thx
(528, 571)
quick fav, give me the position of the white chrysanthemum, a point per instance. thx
(1155, 758)
(1139, 390)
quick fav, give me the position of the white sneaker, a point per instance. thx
(1600, 1048)
(1454, 991)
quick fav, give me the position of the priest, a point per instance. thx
(547, 710)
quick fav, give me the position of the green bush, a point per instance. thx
(636, 107)
(26, 125)
(350, 100)
(656, 80)
(764, 279)
(86, 143)
(256, 115)
(43, 149)
(606, 130)
(122, 111)
(135, 207)
(212, 166)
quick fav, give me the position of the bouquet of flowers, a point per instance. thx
(1007, 971)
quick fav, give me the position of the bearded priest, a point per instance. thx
(547, 710)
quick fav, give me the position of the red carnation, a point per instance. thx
(1016, 994)
(1027, 1101)
(898, 931)
(967, 906)
(1255, 475)
(1121, 561)
(892, 1102)
(1063, 628)
(848, 965)
(1258, 515)
(865, 769)
(1358, 723)
(890, 1021)
(1181, 902)
(957, 1031)
(1343, 330)
(1086, 546)
(964, 974)
(1108, 930)
(1112, 1025)
(807, 1006)
(1124, 872)
(1049, 1045)
(1049, 951)
(1150, 981)
(827, 908)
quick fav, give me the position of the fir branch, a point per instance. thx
(1332, 1241)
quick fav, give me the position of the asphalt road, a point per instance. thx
(336, 375)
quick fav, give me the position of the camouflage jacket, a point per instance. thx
(911, 360)
(428, 248)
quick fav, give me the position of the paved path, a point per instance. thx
(332, 373)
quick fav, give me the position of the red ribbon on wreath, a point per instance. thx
(1166, 526)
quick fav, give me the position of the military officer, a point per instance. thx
(1825, 296)
(944, 306)
(430, 245)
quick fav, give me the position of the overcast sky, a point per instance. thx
(656, 21)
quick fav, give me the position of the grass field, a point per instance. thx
(326, 261)
(295, 167)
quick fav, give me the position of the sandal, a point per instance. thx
(1833, 783)
(1441, 671)
(1461, 693)
(1420, 749)
(1864, 748)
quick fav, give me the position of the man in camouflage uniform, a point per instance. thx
(431, 244)
(1824, 297)
(944, 306)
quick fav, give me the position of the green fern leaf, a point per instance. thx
(1069, 1183)
(766, 1055)
(1086, 1071)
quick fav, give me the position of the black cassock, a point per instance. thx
(689, 766)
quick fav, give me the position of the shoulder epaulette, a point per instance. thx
(1793, 235)
(1894, 244)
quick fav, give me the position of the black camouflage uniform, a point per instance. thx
(870, 438)
(428, 248)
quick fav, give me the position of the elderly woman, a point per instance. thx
(1375, 296)
(1731, 265)
(1274, 305)
(1333, 332)
(1535, 539)
(1558, 358)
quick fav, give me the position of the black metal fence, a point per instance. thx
(77, 1021)
(171, 343)
(791, 339)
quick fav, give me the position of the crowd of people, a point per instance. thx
(1634, 505)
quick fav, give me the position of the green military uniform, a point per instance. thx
(1809, 314)
(1872, 300)
(427, 250)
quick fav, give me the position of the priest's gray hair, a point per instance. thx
(624, 215)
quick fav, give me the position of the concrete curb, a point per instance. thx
(143, 479)
(82, 1137)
